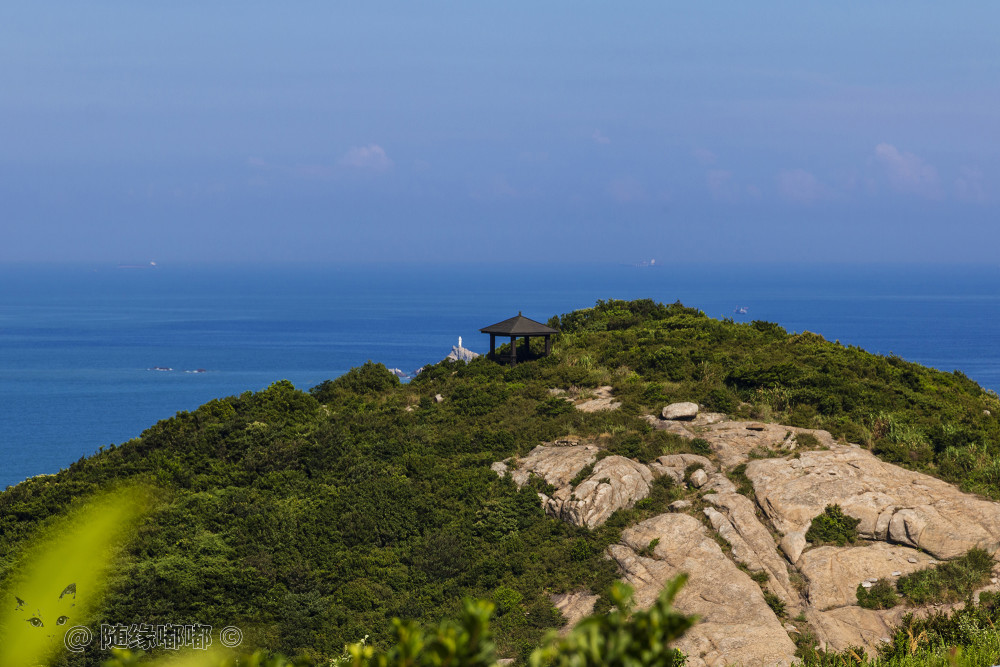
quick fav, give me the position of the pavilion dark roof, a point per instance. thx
(519, 325)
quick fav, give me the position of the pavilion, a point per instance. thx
(518, 327)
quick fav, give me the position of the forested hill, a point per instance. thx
(309, 519)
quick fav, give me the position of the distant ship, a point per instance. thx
(161, 368)
(740, 310)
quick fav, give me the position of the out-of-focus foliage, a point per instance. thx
(624, 637)
(60, 577)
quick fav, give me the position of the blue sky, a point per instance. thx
(335, 132)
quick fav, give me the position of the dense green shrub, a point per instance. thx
(947, 582)
(833, 527)
(369, 378)
(881, 595)
(776, 604)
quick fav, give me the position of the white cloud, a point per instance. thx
(704, 156)
(600, 138)
(907, 172)
(371, 157)
(970, 186)
(798, 185)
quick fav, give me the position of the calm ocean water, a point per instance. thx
(77, 343)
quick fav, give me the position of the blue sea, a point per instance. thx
(77, 343)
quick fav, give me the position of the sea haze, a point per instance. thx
(77, 342)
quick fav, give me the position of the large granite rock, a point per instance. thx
(616, 482)
(732, 441)
(734, 517)
(680, 411)
(892, 503)
(674, 465)
(843, 627)
(834, 573)
(556, 465)
(736, 625)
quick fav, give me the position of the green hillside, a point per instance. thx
(310, 519)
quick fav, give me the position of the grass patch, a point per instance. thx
(807, 440)
(738, 476)
(882, 595)
(647, 551)
(539, 484)
(761, 452)
(759, 577)
(833, 527)
(583, 474)
(948, 582)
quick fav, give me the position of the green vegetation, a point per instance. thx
(882, 595)
(650, 548)
(621, 638)
(584, 473)
(738, 476)
(947, 582)
(313, 519)
(624, 637)
(833, 527)
(807, 440)
(776, 604)
(968, 637)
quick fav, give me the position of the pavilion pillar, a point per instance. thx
(513, 350)
(527, 348)
(493, 346)
(548, 344)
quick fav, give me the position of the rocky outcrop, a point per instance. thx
(680, 411)
(844, 627)
(675, 465)
(732, 441)
(459, 353)
(616, 482)
(556, 465)
(734, 517)
(602, 401)
(908, 520)
(736, 625)
(893, 504)
(834, 573)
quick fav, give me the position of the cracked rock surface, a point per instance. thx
(908, 522)
(736, 624)
(892, 503)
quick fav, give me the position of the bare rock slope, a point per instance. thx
(909, 522)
